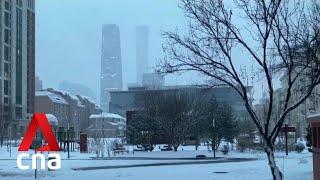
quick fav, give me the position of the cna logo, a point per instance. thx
(39, 120)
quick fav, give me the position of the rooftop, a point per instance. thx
(106, 115)
(52, 96)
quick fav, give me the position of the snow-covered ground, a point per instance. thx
(295, 167)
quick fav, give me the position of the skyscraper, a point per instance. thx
(111, 67)
(17, 64)
(142, 48)
(38, 84)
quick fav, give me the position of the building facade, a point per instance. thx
(311, 105)
(133, 99)
(111, 66)
(17, 65)
(72, 112)
(153, 80)
(38, 84)
(106, 125)
(142, 48)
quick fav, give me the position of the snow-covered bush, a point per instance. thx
(299, 147)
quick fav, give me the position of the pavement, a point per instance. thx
(187, 162)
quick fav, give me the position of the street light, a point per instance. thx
(213, 123)
(214, 138)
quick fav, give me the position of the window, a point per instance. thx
(19, 113)
(7, 53)
(314, 137)
(6, 70)
(6, 109)
(7, 6)
(19, 3)
(7, 19)
(7, 36)
(6, 87)
(6, 100)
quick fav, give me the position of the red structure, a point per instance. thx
(314, 121)
(83, 143)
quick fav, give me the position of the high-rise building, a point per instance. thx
(111, 67)
(17, 65)
(38, 84)
(142, 48)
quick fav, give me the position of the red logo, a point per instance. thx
(39, 120)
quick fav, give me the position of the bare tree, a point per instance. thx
(274, 36)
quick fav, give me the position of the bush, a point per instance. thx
(300, 147)
(244, 144)
(225, 149)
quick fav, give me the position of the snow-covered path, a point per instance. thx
(296, 167)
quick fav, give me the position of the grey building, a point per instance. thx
(142, 48)
(111, 66)
(38, 84)
(17, 65)
(132, 100)
(153, 80)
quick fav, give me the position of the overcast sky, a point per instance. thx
(68, 36)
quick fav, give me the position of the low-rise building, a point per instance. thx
(132, 99)
(72, 112)
(51, 103)
(153, 80)
(106, 125)
(90, 108)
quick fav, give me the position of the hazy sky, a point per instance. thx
(68, 36)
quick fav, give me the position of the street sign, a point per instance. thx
(288, 129)
(285, 130)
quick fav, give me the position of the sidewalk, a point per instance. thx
(196, 161)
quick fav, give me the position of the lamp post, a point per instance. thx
(9, 132)
(214, 138)
(68, 140)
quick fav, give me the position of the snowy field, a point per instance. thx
(295, 167)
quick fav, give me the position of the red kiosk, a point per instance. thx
(314, 121)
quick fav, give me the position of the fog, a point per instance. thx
(68, 37)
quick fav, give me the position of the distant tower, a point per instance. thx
(38, 84)
(142, 48)
(111, 68)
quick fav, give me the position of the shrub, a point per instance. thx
(300, 147)
(244, 144)
(225, 149)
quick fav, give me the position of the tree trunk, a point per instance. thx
(276, 173)
(213, 145)
(1, 141)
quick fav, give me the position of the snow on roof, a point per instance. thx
(113, 123)
(54, 97)
(87, 98)
(313, 115)
(313, 118)
(79, 103)
(106, 115)
(52, 119)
